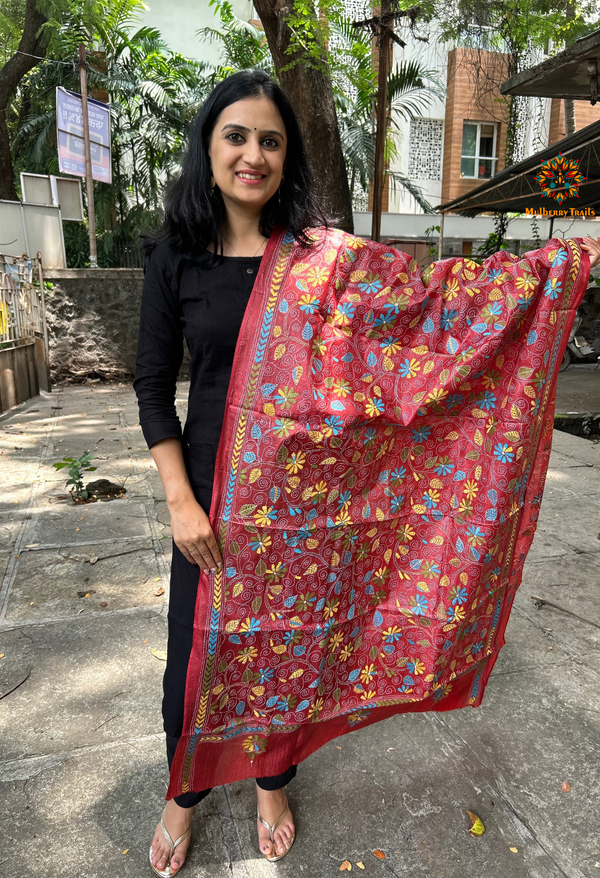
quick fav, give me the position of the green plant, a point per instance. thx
(77, 466)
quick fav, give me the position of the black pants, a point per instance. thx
(182, 602)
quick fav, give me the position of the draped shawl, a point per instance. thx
(377, 487)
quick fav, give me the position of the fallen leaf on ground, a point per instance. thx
(477, 827)
(379, 854)
(31, 545)
(159, 591)
(346, 866)
(159, 654)
(566, 788)
(157, 578)
(360, 865)
(126, 851)
(103, 604)
(515, 850)
(1, 655)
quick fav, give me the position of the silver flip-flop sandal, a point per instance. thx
(272, 829)
(166, 872)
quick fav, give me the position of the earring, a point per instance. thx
(213, 182)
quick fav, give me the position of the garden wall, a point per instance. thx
(92, 317)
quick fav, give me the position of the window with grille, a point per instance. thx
(478, 156)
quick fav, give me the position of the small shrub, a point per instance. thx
(76, 466)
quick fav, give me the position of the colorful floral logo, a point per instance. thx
(559, 178)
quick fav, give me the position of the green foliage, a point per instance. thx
(76, 467)
(154, 94)
(244, 47)
(411, 89)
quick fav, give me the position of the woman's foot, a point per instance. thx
(177, 821)
(270, 805)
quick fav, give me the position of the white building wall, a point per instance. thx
(179, 20)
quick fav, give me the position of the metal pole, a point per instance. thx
(89, 182)
(382, 78)
(441, 238)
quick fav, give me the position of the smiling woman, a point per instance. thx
(359, 478)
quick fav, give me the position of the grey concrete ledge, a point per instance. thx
(93, 273)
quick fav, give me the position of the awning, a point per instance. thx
(572, 73)
(515, 190)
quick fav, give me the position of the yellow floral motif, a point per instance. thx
(368, 694)
(295, 462)
(341, 387)
(367, 673)
(248, 654)
(317, 275)
(419, 667)
(330, 609)
(307, 302)
(392, 347)
(371, 409)
(405, 533)
(526, 282)
(436, 395)
(411, 369)
(343, 518)
(346, 652)
(451, 289)
(471, 489)
(319, 346)
(335, 641)
(315, 709)
(264, 517)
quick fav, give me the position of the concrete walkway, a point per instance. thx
(82, 766)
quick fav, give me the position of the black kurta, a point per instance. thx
(184, 298)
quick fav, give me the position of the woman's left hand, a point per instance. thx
(593, 249)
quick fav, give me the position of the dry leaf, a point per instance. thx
(1, 655)
(86, 595)
(515, 850)
(31, 545)
(103, 604)
(157, 578)
(159, 591)
(566, 788)
(346, 866)
(360, 865)
(126, 851)
(159, 654)
(477, 827)
(379, 854)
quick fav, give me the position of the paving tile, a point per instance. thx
(92, 680)
(53, 583)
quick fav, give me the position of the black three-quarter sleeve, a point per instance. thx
(160, 348)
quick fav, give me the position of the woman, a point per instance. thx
(314, 492)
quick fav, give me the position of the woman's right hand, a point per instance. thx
(193, 535)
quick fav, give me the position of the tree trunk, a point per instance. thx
(310, 92)
(32, 43)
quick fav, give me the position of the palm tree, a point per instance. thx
(411, 89)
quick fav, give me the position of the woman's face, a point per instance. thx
(247, 153)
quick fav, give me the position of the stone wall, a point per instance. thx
(93, 319)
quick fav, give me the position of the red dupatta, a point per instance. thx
(377, 488)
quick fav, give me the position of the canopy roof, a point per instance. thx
(573, 73)
(514, 189)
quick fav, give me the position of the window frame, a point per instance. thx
(477, 157)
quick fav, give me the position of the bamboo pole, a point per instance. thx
(89, 181)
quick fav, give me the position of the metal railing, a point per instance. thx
(22, 306)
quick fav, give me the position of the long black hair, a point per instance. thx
(194, 211)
